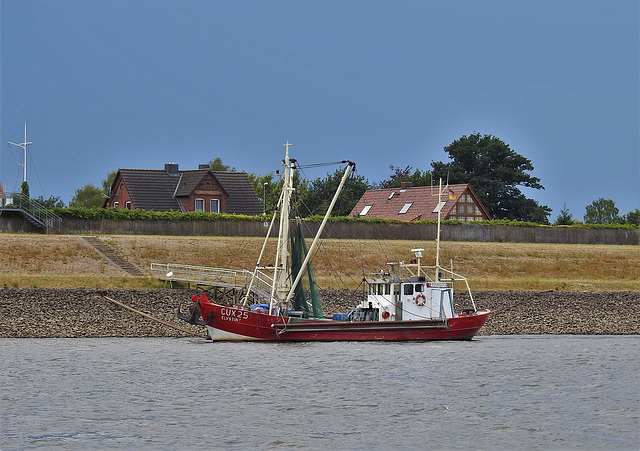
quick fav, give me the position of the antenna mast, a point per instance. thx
(23, 145)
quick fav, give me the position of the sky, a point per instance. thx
(108, 84)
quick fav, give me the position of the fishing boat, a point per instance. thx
(408, 302)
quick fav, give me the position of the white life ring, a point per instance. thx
(420, 300)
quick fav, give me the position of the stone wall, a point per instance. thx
(55, 313)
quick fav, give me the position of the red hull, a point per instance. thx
(231, 323)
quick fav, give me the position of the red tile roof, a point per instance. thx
(421, 201)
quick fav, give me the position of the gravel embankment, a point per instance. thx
(54, 313)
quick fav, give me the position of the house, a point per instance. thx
(412, 203)
(191, 190)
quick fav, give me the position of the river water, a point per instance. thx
(495, 392)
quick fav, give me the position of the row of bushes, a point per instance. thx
(114, 213)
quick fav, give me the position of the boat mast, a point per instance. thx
(281, 280)
(24, 145)
(437, 276)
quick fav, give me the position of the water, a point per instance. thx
(543, 392)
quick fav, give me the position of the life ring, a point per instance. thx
(417, 299)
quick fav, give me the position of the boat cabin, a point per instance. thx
(416, 298)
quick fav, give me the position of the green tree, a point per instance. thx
(495, 172)
(602, 211)
(316, 197)
(217, 165)
(51, 202)
(417, 178)
(106, 183)
(267, 189)
(564, 218)
(88, 196)
(633, 217)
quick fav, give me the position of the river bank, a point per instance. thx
(58, 313)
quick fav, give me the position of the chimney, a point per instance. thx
(405, 185)
(171, 168)
(204, 166)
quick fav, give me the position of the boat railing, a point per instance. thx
(218, 277)
(443, 275)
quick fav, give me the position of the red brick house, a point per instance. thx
(190, 190)
(412, 203)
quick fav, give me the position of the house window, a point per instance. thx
(214, 206)
(469, 209)
(116, 205)
(127, 205)
(405, 208)
(365, 210)
(199, 206)
(460, 209)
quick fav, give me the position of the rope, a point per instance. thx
(181, 329)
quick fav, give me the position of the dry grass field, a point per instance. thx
(67, 261)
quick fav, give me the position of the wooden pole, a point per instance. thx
(181, 329)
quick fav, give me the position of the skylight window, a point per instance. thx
(365, 210)
(439, 207)
(393, 193)
(405, 208)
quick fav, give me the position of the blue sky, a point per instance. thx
(137, 83)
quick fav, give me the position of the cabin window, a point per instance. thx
(419, 288)
(408, 290)
(199, 206)
(214, 206)
(127, 205)
(365, 210)
(396, 289)
(387, 289)
(405, 208)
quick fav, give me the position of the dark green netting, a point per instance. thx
(298, 253)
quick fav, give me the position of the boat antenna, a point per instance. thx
(23, 145)
(438, 233)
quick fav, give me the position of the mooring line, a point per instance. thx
(158, 320)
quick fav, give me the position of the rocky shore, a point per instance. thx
(57, 313)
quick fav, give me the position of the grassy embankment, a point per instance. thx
(66, 261)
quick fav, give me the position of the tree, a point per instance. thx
(564, 218)
(51, 202)
(89, 196)
(418, 178)
(106, 183)
(217, 165)
(602, 211)
(314, 198)
(495, 172)
(633, 217)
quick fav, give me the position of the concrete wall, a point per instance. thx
(387, 231)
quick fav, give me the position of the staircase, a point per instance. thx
(112, 256)
(32, 210)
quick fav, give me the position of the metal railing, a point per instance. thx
(219, 277)
(32, 209)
